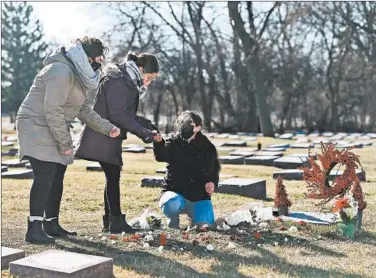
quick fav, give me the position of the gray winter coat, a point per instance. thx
(55, 99)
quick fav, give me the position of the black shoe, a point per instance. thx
(106, 223)
(35, 233)
(118, 224)
(53, 228)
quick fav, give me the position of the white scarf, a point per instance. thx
(89, 78)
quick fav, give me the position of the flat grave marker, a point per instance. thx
(231, 160)
(18, 174)
(235, 144)
(279, 146)
(7, 144)
(334, 173)
(274, 149)
(260, 160)
(240, 153)
(62, 264)
(301, 146)
(254, 188)
(310, 217)
(138, 149)
(95, 167)
(266, 153)
(156, 181)
(9, 255)
(290, 174)
(286, 136)
(290, 162)
(4, 169)
(14, 163)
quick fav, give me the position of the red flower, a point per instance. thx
(257, 235)
(283, 228)
(302, 223)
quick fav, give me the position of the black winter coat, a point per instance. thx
(117, 100)
(189, 166)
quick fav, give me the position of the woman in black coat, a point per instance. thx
(192, 172)
(117, 100)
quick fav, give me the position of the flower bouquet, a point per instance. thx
(346, 210)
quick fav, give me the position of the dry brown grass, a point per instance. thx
(82, 207)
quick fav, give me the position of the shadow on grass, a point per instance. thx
(138, 261)
(147, 263)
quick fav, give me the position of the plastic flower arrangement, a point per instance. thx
(346, 210)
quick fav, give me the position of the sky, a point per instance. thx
(64, 21)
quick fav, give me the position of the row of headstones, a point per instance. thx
(55, 263)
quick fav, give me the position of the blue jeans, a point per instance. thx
(174, 204)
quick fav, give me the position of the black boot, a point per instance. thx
(118, 224)
(53, 228)
(106, 223)
(35, 233)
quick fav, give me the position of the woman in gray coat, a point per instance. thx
(117, 100)
(60, 93)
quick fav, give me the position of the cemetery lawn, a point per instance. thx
(310, 253)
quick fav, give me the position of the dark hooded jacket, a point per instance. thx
(189, 165)
(117, 100)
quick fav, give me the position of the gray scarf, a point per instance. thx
(88, 77)
(136, 76)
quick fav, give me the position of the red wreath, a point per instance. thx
(317, 176)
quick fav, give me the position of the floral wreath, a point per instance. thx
(317, 176)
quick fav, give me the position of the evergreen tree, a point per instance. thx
(22, 53)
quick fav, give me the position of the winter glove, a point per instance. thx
(145, 123)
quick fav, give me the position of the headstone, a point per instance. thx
(223, 136)
(126, 146)
(18, 174)
(290, 162)
(225, 149)
(28, 166)
(260, 160)
(335, 173)
(149, 146)
(14, 163)
(286, 136)
(274, 149)
(219, 144)
(237, 160)
(156, 181)
(233, 137)
(246, 149)
(327, 134)
(364, 137)
(12, 138)
(254, 188)
(134, 150)
(9, 255)
(265, 153)
(62, 264)
(4, 169)
(161, 171)
(248, 139)
(279, 146)
(317, 142)
(94, 167)
(302, 140)
(371, 135)
(235, 144)
(293, 174)
(313, 135)
(304, 155)
(244, 154)
(13, 151)
(301, 146)
(7, 144)
(310, 217)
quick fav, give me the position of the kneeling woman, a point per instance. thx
(192, 172)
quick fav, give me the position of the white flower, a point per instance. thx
(160, 249)
(210, 247)
(103, 238)
(293, 229)
(146, 245)
(231, 245)
(149, 238)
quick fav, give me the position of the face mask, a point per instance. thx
(186, 131)
(95, 65)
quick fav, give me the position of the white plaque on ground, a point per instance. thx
(61, 264)
(9, 255)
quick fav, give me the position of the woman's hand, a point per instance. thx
(157, 137)
(209, 187)
(115, 132)
(68, 152)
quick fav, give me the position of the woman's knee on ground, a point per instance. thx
(173, 206)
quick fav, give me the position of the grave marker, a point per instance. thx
(235, 144)
(14, 163)
(235, 160)
(18, 174)
(254, 188)
(290, 162)
(293, 174)
(9, 255)
(260, 160)
(61, 264)
(156, 181)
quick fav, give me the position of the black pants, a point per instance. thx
(47, 188)
(112, 188)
